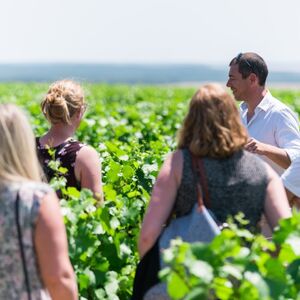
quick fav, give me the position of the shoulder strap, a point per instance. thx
(22, 252)
(198, 167)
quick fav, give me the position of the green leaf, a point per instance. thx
(294, 270)
(128, 172)
(73, 192)
(176, 287)
(258, 282)
(202, 270)
(109, 192)
(112, 285)
(197, 293)
(100, 294)
(114, 223)
(114, 171)
(58, 183)
(223, 288)
(83, 281)
(62, 170)
(231, 270)
(275, 270)
(99, 229)
(294, 242)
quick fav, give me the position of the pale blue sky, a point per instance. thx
(156, 31)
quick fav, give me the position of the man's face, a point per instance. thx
(237, 84)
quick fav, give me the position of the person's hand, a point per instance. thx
(275, 154)
(254, 146)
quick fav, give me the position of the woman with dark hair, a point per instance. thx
(237, 180)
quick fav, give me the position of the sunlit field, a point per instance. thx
(133, 128)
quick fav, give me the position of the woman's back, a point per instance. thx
(66, 153)
(235, 184)
(64, 106)
(12, 283)
(237, 181)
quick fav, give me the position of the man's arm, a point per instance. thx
(277, 155)
(286, 133)
(291, 182)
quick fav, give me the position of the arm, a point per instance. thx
(287, 135)
(291, 182)
(88, 171)
(161, 202)
(287, 139)
(276, 203)
(277, 155)
(52, 251)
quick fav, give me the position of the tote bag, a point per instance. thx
(197, 226)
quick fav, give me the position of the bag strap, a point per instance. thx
(198, 167)
(22, 252)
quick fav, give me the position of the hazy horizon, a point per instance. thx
(129, 73)
(273, 67)
(150, 32)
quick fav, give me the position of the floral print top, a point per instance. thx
(66, 154)
(12, 282)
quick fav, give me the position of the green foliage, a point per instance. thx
(237, 265)
(133, 128)
(101, 246)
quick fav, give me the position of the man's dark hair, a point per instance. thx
(250, 62)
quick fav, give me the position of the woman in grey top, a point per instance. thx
(34, 262)
(237, 180)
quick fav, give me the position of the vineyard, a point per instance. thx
(133, 128)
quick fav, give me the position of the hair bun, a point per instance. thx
(63, 99)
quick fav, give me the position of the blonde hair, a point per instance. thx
(212, 126)
(18, 159)
(63, 100)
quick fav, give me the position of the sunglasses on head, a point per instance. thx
(239, 57)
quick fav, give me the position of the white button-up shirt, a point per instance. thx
(291, 177)
(275, 124)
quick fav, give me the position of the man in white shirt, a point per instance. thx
(291, 181)
(272, 126)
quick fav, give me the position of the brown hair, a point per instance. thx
(212, 126)
(63, 100)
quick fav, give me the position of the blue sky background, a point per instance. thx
(156, 31)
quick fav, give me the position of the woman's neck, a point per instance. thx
(57, 134)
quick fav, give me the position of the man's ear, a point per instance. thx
(253, 78)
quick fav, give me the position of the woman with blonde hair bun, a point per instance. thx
(64, 106)
(212, 136)
(34, 262)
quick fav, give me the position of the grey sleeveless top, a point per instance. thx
(235, 184)
(12, 283)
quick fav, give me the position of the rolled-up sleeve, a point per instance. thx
(287, 133)
(291, 177)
